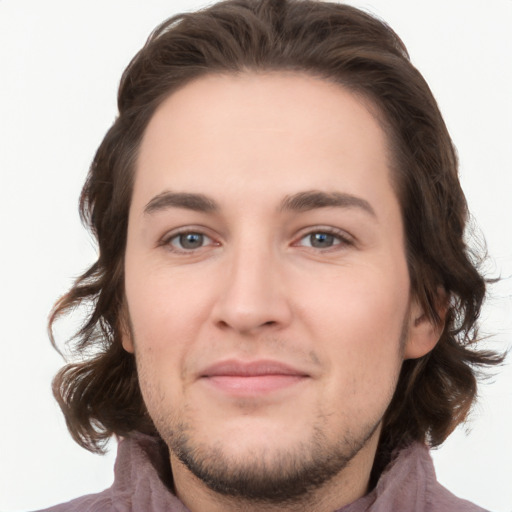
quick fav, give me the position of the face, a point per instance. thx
(266, 282)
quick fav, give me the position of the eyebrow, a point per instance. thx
(312, 199)
(189, 201)
(300, 202)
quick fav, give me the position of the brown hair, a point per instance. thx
(100, 395)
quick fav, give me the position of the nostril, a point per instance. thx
(222, 324)
(245, 326)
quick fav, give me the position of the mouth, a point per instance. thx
(241, 378)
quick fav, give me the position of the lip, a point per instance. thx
(242, 378)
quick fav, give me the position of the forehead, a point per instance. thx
(261, 133)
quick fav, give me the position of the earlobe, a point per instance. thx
(127, 343)
(424, 332)
(125, 330)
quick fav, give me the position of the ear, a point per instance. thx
(424, 333)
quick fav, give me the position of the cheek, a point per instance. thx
(164, 308)
(165, 319)
(359, 325)
(366, 305)
(163, 326)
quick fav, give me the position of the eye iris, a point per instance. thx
(191, 240)
(321, 240)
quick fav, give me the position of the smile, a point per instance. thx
(258, 377)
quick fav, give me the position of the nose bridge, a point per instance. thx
(252, 295)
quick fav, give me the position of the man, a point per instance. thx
(283, 303)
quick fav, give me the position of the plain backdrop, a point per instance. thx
(60, 63)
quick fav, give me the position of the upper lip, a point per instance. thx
(235, 368)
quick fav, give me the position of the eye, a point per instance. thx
(324, 240)
(188, 241)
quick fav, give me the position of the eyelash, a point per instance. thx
(342, 240)
(167, 241)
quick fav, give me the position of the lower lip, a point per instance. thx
(254, 384)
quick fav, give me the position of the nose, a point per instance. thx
(253, 296)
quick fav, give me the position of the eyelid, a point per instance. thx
(345, 238)
(165, 240)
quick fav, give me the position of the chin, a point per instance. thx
(265, 462)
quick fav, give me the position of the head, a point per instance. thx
(279, 51)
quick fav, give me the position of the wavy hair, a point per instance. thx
(99, 395)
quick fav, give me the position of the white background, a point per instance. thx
(60, 63)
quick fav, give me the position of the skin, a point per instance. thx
(322, 288)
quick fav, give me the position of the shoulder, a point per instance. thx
(139, 481)
(409, 483)
(439, 499)
(101, 502)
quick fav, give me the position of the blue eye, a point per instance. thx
(189, 241)
(323, 240)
